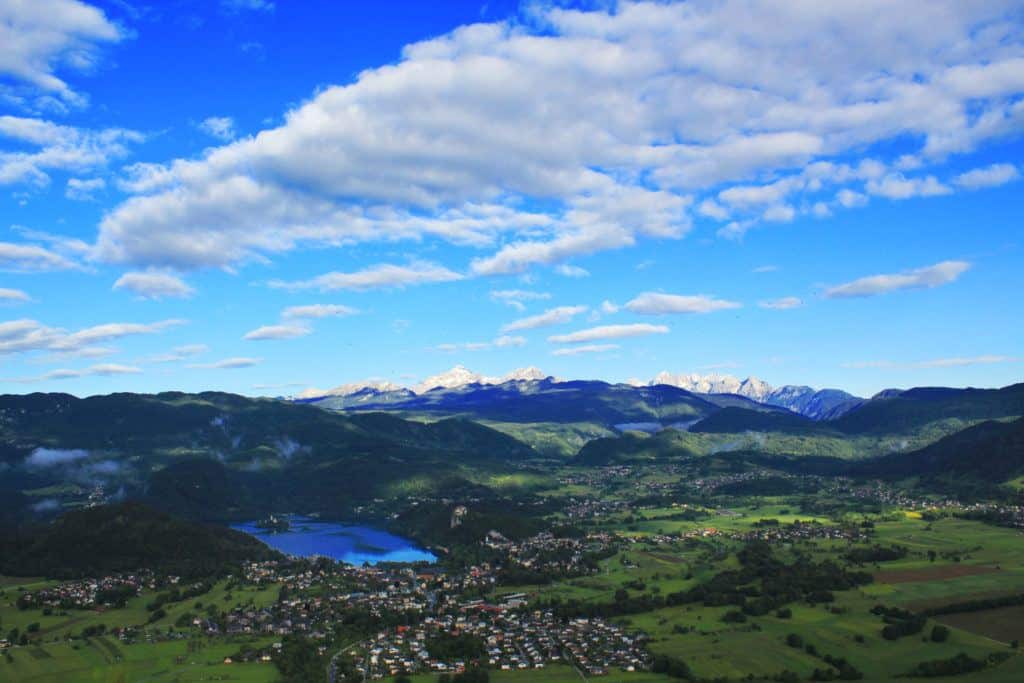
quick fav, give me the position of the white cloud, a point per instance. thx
(153, 284)
(782, 304)
(247, 5)
(13, 295)
(588, 348)
(954, 362)
(608, 332)
(32, 258)
(180, 353)
(57, 147)
(608, 307)
(109, 331)
(931, 276)
(25, 335)
(990, 176)
(850, 199)
(765, 269)
(567, 270)
(318, 311)
(100, 370)
(504, 341)
(42, 36)
(516, 297)
(376, 277)
(960, 362)
(228, 364)
(83, 189)
(618, 119)
(554, 316)
(896, 186)
(655, 303)
(712, 209)
(270, 332)
(779, 213)
(220, 127)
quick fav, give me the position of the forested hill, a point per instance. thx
(126, 537)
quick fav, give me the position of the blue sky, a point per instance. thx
(262, 196)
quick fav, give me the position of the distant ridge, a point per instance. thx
(817, 404)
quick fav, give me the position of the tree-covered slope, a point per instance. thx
(990, 451)
(126, 537)
(913, 409)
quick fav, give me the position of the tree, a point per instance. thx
(939, 633)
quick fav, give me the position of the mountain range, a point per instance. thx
(817, 404)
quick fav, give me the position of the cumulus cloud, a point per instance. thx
(587, 348)
(228, 364)
(896, 186)
(220, 127)
(154, 284)
(13, 295)
(608, 332)
(554, 316)
(318, 311)
(616, 120)
(782, 304)
(42, 36)
(656, 303)
(383, 276)
(270, 332)
(990, 176)
(921, 278)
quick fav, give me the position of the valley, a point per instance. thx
(750, 543)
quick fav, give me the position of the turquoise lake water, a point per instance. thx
(352, 543)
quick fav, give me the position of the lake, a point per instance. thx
(352, 543)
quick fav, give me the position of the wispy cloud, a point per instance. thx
(608, 332)
(655, 303)
(921, 278)
(588, 348)
(314, 311)
(228, 364)
(383, 276)
(272, 332)
(554, 316)
(954, 362)
(154, 284)
(220, 127)
(782, 304)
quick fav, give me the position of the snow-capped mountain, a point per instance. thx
(460, 376)
(374, 386)
(813, 403)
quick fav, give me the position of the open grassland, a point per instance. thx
(56, 627)
(104, 660)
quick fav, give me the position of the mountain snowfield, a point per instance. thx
(814, 403)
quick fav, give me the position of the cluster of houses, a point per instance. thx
(512, 639)
(86, 593)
